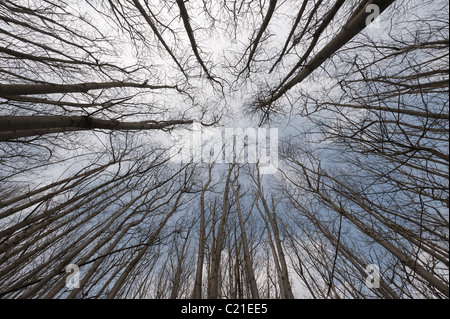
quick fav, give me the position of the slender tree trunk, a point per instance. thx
(119, 283)
(247, 258)
(386, 290)
(406, 260)
(67, 259)
(28, 89)
(262, 29)
(213, 284)
(284, 274)
(123, 232)
(158, 34)
(354, 26)
(197, 293)
(23, 126)
(190, 32)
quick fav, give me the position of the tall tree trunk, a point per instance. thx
(213, 284)
(354, 26)
(23, 126)
(119, 283)
(28, 89)
(197, 293)
(247, 258)
(369, 231)
(283, 270)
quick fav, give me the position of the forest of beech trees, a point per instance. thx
(93, 94)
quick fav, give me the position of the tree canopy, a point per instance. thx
(95, 94)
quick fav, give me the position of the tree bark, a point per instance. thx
(247, 258)
(119, 283)
(197, 293)
(213, 283)
(28, 89)
(24, 126)
(354, 26)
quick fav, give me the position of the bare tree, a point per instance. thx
(94, 96)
